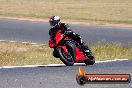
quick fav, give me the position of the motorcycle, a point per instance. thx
(69, 51)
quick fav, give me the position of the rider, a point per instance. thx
(57, 25)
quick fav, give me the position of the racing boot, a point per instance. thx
(87, 51)
(85, 48)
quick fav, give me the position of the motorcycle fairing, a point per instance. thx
(79, 55)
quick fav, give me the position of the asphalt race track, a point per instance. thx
(38, 32)
(61, 76)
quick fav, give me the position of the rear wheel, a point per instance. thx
(67, 59)
(90, 60)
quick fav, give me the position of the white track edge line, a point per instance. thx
(32, 43)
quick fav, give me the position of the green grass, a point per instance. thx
(27, 54)
(115, 11)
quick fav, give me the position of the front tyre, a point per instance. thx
(67, 59)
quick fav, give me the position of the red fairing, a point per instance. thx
(51, 43)
(58, 37)
(79, 55)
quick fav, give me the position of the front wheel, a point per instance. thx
(67, 59)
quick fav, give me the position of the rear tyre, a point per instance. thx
(67, 59)
(90, 60)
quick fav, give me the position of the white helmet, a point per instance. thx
(54, 20)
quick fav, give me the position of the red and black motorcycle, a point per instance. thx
(69, 51)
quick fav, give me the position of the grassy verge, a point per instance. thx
(27, 54)
(109, 51)
(115, 11)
